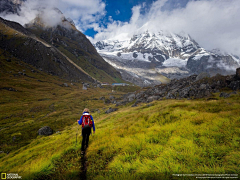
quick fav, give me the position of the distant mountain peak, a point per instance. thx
(171, 54)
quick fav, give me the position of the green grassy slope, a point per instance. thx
(145, 142)
(170, 137)
(36, 99)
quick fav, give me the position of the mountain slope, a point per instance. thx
(75, 45)
(25, 46)
(172, 55)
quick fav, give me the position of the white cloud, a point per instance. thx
(212, 23)
(82, 12)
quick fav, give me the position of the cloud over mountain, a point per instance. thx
(213, 23)
(82, 12)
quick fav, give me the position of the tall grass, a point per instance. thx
(145, 142)
(171, 137)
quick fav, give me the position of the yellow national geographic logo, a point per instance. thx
(3, 175)
(10, 176)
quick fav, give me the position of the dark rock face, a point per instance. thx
(9, 7)
(235, 85)
(45, 131)
(238, 73)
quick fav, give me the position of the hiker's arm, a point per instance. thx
(80, 121)
(93, 124)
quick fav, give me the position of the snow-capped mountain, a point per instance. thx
(143, 57)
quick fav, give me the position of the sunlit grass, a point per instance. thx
(147, 142)
(169, 137)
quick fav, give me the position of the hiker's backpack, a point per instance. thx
(86, 121)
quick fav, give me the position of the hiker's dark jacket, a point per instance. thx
(86, 113)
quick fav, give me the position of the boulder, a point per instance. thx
(111, 110)
(203, 86)
(111, 97)
(107, 101)
(84, 87)
(131, 97)
(120, 103)
(46, 130)
(65, 84)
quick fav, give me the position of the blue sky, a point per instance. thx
(121, 10)
(118, 10)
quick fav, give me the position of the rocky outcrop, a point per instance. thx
(46, 130)
(192, 87)
(238, 74)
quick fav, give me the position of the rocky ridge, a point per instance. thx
(192, 87)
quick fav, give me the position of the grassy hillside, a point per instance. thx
(151, 141)
(31, 99)
(168, 137)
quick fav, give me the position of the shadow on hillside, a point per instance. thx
(83, 162)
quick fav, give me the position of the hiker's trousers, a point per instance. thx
(85, 137)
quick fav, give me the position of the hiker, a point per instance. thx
(87, 123)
